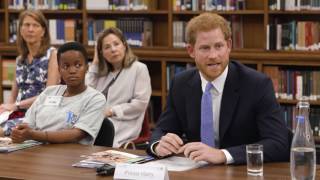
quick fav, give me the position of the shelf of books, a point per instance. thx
(244, 17)
(291, 83)
(8, 67)
(137, 28)
(294, 27)
(61, 29)
(2, 22)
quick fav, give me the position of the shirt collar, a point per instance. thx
(218, 83)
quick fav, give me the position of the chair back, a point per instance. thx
(106, 134)
(145, 133)
(142, 141)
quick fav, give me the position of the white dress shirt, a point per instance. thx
(216, 92)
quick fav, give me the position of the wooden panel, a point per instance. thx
(255, 4)
(3, 4)
(3, 31)
(160, 31)
(161, 4)
(253, 32)
(155, 74)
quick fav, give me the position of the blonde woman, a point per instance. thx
(125, 82)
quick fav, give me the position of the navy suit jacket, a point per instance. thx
(249, 113)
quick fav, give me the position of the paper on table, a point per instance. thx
(6, 145)
(88, 164)
(176, 163)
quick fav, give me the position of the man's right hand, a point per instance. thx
(168, 144)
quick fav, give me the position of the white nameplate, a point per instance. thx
(53, 100)
(140, 171)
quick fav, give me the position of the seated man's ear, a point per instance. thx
(190, 50)
(229, 44)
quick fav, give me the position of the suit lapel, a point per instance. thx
(193, 105)
(229, 100)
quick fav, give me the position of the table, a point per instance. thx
(53, 161)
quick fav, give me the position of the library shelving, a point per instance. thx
(254, 30)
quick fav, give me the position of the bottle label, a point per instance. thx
(300, 119)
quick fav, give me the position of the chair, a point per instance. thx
(106, 134)
(290, 136)
(143, 140)
(318, 155)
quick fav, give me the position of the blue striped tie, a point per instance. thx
(207, 130)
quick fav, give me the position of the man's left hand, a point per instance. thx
(198, 151)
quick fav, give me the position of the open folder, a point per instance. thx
(6, 145)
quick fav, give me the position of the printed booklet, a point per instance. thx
(110, 157)
(6, 145)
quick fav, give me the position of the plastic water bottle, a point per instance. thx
(303, 152)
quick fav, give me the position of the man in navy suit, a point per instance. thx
(245, 110)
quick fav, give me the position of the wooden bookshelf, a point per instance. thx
(255, 18)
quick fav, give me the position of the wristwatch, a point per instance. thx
(18, 105)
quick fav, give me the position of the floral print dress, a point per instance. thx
(32, 78)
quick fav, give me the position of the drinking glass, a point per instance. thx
(254, 159)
